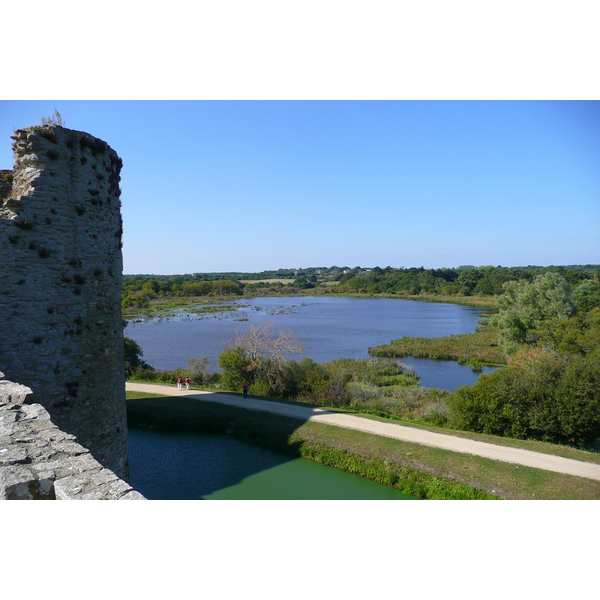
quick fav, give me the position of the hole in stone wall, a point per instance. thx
(72, 387)
(22, 224)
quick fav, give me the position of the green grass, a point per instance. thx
(413, 468)
(479, 348)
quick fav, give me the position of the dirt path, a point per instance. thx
(518, 456)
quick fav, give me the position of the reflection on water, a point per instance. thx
(184, 466)
(328, 328)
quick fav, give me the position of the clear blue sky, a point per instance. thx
(253, 185)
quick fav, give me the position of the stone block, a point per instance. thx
(70, 447)
(118, 488)
(12, 455)
(69, 488)
(71, 465)
(103, 477)
(18, 483)
(133, 495)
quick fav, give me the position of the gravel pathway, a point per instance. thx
(518, 456)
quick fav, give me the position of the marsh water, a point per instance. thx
(327, 327)
(219, 467)
(185, 466)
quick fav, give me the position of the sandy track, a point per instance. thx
(518, 456)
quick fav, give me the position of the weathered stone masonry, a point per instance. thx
(61, 330)
(38, 461)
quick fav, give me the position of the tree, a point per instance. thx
(259, 356)
(525, 308)
(236, 368)
(587, 295)
(197, 369)
(577, 400)
(133, 357)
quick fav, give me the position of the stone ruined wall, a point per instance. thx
(5, 184)
(61, 331)
(38, 461)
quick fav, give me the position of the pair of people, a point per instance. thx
(180, 383)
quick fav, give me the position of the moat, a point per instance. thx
(185, 466)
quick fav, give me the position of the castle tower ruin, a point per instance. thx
(61, 329)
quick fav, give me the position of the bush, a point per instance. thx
(540, 395)
(578, 400)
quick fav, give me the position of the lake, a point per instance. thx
(328, 328)
(187, 466)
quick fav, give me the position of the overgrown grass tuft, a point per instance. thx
(473, 349)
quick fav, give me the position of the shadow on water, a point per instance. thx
(178, 450)
(183, 448)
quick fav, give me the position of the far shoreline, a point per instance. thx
(161, 306)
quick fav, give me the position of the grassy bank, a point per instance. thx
(473, 349)
(415, 469)
(475, 301)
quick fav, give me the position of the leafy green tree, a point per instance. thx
(496, 405)
(526, 307)
(133, 357)
(237, 368)
(587, 295)
(577, 400)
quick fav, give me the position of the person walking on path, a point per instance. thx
(179, 381)
(245, 388)
(187, 383)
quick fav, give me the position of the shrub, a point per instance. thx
(540, 394)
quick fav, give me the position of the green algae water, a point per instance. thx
(184, 466)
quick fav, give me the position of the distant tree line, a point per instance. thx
(466, 280)
(138, 290)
